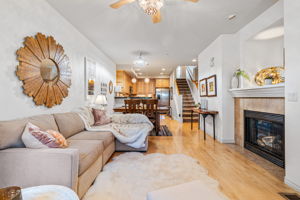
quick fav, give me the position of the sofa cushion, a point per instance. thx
(11, 131)
(69, 123)
(89, 152)
(106, 137)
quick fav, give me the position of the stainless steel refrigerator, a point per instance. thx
(163, 96)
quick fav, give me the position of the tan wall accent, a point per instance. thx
(270, 105)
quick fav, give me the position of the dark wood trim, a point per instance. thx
(205, 79)
(215, 77)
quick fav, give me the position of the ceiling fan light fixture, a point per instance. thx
(151, 7)
(140, 62)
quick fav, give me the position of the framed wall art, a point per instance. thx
(103, 88)
(203, 87)
(212, 86)
(90, 77)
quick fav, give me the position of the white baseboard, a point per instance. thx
(227, 141)
(292, 184)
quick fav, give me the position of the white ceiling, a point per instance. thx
(186, 28)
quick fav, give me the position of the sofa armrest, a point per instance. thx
(31, 167)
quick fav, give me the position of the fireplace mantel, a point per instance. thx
(262, 91)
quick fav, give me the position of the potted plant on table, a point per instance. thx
(198, 105)
(235, 81)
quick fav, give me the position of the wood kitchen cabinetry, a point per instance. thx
(124, 80)
(162, 83)
(145, 88)
(140, 88)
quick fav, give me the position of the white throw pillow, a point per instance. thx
(33, 137)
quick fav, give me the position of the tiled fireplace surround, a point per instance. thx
(260, 104)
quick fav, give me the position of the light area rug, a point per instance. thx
(131, 176)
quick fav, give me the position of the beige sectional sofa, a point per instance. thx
(76, 166)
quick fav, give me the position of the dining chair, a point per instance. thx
(133, 106)
(150, 107)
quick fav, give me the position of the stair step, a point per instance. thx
(189, 116)
(189, 120)
(187, 110)
(192, 106)
(188, 105)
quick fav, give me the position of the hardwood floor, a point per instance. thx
(239, 177)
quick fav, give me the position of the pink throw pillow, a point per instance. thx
(100, 117)
(33, 137)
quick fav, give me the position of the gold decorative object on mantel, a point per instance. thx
(44, 69)
(271, 72)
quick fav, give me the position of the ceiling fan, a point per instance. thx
(150, 7)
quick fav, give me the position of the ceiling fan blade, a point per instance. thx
(121, 3)
(156, 18)
(194, 1)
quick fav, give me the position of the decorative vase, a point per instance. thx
(235, 82)
(268, 81)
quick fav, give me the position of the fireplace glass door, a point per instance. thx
(264, 135)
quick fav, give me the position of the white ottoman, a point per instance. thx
(49, 192)
(195, 190)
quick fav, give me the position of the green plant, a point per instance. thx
(242, 73)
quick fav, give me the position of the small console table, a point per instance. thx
(204, 114)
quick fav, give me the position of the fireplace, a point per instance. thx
(264, 135)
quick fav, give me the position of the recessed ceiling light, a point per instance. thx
(163, 69)
(270, 33)
(231, 17)
(194, 60)
(161, 73)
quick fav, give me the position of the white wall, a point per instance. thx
(230, 62)
(21, 18)
(225, 52)
(232, 52)
(192, 85)
(176, 102)
(260, 54)
(271, 16)
(292, 107)
(204, 70)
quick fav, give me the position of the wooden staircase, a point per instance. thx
(187, 100)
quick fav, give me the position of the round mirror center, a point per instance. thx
(49, 70)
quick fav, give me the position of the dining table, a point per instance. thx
(160, 110)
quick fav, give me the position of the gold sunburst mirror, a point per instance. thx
(44, 69)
